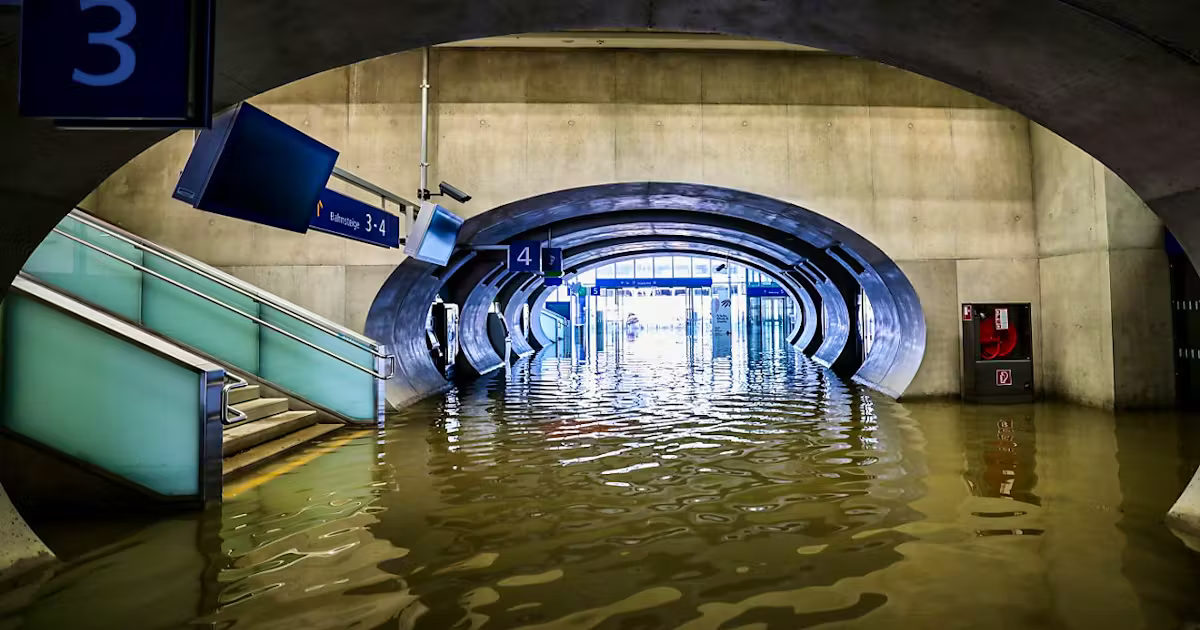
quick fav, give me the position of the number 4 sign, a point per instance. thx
(525, 256)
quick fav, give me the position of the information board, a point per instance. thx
(117, 63)
(255, 167)
(345, 216)
(722, 318)
(525, 256)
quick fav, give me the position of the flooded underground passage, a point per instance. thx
(673, 466)
(648, 326)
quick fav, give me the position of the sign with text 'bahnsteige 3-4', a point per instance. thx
(341, 215)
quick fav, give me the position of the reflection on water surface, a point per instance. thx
(657, 487)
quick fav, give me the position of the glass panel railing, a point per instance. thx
(175, 297)
(328, 381)
(190, 319)
(104, 400)
(87, 273)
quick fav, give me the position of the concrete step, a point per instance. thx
(251, 434)
(244, 394)
(275, 448)
(261, 408)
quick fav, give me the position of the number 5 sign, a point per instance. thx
(525, 256)
(117, 63)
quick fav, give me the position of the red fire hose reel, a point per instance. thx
(994, 342)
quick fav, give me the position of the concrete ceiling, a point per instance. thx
(619, 39)
(1118, 78)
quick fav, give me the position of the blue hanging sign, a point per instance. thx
(765, 292)
(595, 290)
(552, 261)
(612, 283)
(525, 256)
(554, 281)
(351, 218)
(117, 63)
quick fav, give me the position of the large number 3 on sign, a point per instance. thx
(112, 39)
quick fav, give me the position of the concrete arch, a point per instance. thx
(623, 218)
(1077, 67)
(1095, 62)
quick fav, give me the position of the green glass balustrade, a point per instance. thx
(62, 378)
(210, 328)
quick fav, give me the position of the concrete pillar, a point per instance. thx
(1184, 516)
(1105, 283)
(20, 549)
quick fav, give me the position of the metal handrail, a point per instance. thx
(236, 382)
(152, 249)
(260, 322)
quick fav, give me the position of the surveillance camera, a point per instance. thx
(454, 193)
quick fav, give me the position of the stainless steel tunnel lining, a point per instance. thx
(822, 264)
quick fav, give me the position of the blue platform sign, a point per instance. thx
(765, 292)
(552, 261)
(595, 290)
(351, 218)
(525, 256)
(553, 281)
(616, 283)
(117, 63)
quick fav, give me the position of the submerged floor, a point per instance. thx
(655, 486)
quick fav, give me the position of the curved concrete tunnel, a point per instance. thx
(821, 264)
(1097, 63)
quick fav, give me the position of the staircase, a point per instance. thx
(269, 429)
(300, 376)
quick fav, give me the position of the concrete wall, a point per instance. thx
(20, 549)
(941, 180)
(1104, 283)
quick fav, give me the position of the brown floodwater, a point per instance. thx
(663, 483)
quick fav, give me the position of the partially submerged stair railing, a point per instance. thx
(232, 415)
(173, 295)
(67, 363)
